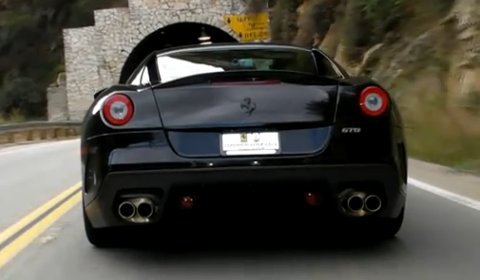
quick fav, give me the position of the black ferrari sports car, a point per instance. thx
(240, 132)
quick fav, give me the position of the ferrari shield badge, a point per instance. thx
(243, 137)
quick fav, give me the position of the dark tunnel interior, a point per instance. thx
(178, 34)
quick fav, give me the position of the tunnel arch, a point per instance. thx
(173, 35)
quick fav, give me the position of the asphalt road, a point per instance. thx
(440, 239)
(32, 174)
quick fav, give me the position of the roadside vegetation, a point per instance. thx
(16, 116)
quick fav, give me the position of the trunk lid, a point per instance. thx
(235, 105)
(234, 116)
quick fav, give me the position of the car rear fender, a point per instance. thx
(357, 135)
(145, 114)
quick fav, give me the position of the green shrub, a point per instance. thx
(16, 115)
(21, 94)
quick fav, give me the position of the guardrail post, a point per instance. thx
(31, 131)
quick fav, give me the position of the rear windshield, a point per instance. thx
(188, 63)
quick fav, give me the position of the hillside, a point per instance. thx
(426, 52)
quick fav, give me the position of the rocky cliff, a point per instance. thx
(426, 52)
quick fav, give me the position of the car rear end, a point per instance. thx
(267, 145)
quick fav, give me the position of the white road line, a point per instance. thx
(463, 200)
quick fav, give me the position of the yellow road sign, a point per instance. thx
(250, 27)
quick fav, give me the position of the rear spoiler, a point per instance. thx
(250, 76)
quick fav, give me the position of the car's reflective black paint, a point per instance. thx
(171, 146)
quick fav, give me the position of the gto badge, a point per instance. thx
(351, 130)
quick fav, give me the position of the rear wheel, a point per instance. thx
(99, 237)
(388, 228)
(115, 237)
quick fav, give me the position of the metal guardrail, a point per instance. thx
(38, 130)
(37, 124)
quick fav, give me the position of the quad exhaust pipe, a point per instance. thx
(355, 202)
(137, 209)
(373, 203)
(360, 203)
(145, 209)
(126, 210)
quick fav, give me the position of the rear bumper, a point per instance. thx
(281, 188)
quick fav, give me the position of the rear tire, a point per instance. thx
(388, 228)
(100, 238)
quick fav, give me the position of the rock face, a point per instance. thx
(94, 55)
(315, 18)
(393, 58)
(466, 14)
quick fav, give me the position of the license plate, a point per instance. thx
(257, 143)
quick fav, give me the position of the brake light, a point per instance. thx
(245, 81)
(118, 109)
(373, 101)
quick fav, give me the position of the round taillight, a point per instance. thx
(374, 101)
(118, 109)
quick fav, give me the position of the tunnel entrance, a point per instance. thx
(178, 34)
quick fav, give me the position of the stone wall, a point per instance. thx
(95, 55)
(82, 69)
(57, 100)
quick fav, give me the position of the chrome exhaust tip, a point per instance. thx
(373, 203)
(145, 209)
(355, 202)
(138, 209)
(126, 210)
